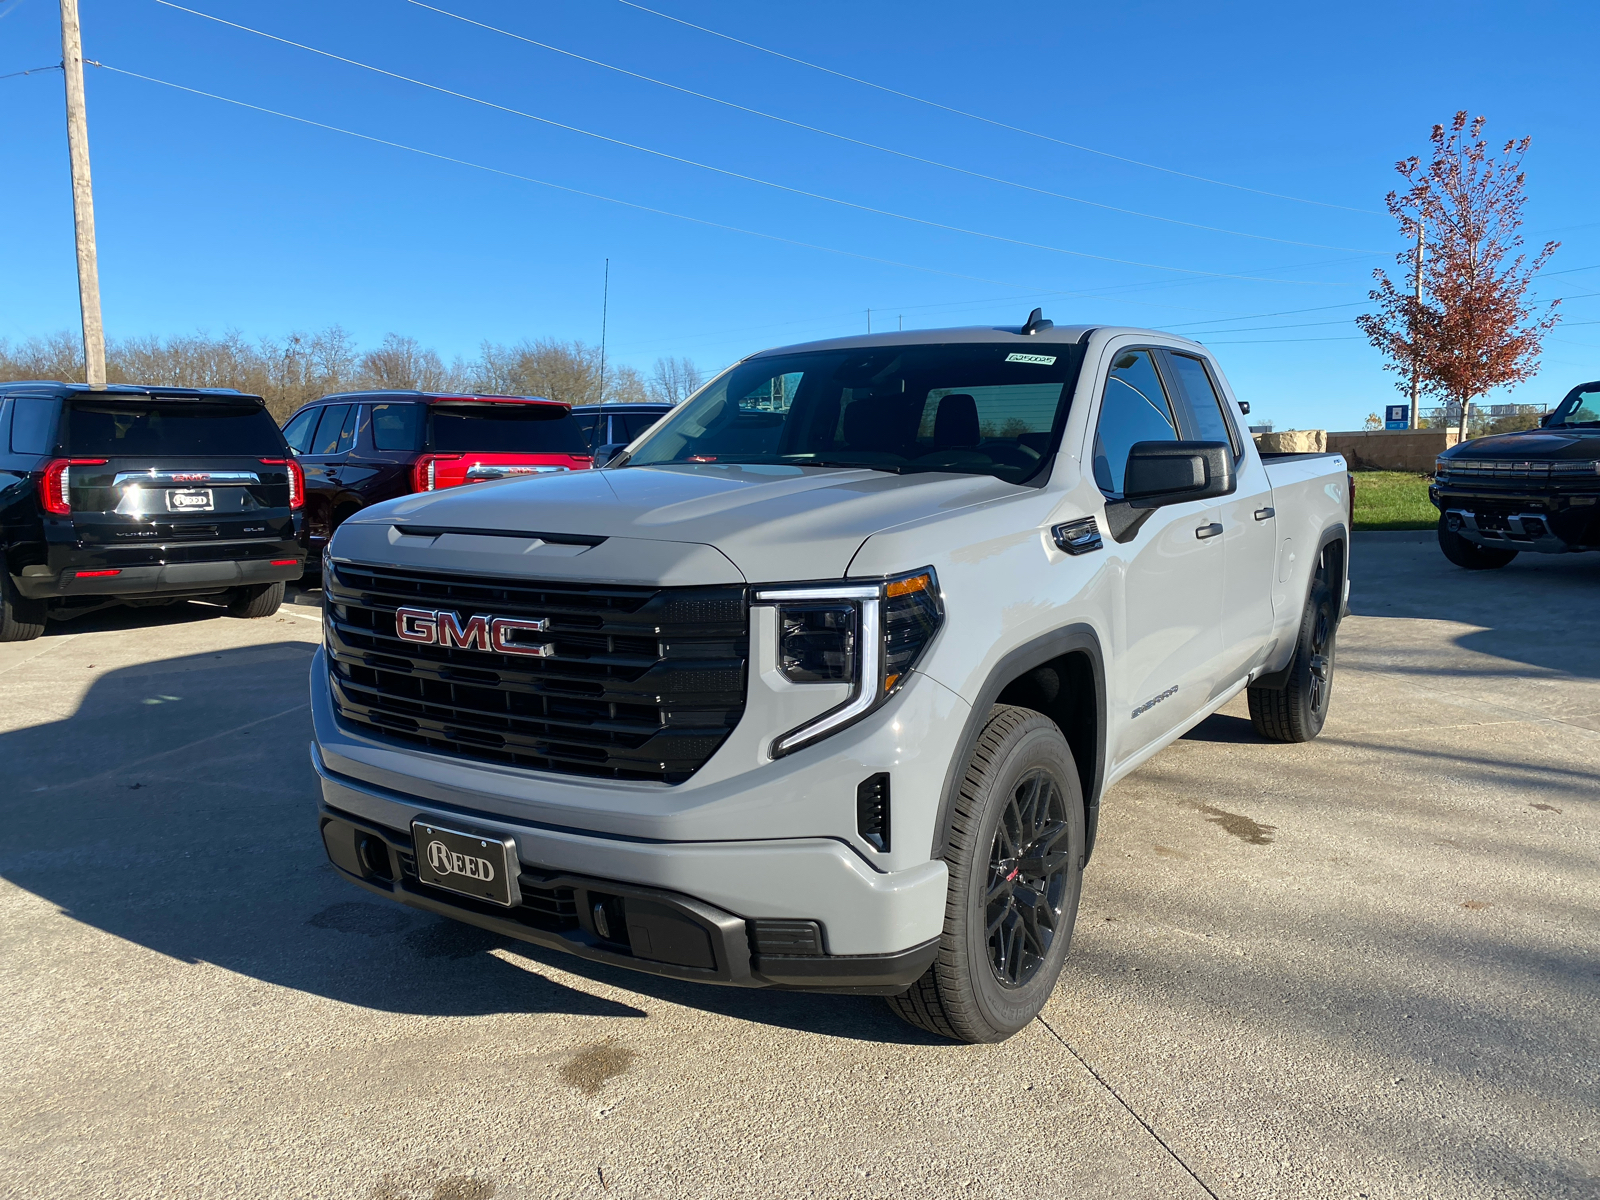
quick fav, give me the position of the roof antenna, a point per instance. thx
(1036, 321)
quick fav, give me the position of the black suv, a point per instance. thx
(143, 495)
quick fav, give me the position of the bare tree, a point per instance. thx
(674, 380)
(403, 363)
(1469, 327)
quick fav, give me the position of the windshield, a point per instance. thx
(977, 408)
(1581, 407)
(110, 428)
(516, 428)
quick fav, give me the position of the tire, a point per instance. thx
(1000, 953)
(1296, 711)
(261, 600)
(21, 619)
(1469, 554)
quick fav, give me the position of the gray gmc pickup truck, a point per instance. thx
(820, 683)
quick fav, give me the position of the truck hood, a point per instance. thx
(1536, 444)
(773, 522)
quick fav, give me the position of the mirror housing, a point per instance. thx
(1162, 473)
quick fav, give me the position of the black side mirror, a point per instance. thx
(1161, 473)
(1544, 421)
(605, 455)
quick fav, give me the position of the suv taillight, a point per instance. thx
(427, 476)
(55, 484)
(297, 480)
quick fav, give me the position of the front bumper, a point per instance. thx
(1540, 523)
(656, 929)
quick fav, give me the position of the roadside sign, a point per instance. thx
(1397, 416)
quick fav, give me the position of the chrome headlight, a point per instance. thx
(867, 635)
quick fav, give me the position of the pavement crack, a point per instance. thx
(1117, 1096)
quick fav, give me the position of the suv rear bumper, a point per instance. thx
(160, 579)
(366, 832)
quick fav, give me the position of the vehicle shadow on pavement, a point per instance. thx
(175, 809)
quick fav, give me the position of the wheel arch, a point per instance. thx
(1333, 565)
(1061, 675)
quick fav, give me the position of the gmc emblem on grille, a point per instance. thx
(496, 635)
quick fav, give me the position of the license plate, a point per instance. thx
(189, 500)
(473, 864)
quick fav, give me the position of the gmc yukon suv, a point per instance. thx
(143, 496)
(820, 683)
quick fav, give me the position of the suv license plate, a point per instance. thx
(472, 864)
(189, 500)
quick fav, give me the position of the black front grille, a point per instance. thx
(644, 683)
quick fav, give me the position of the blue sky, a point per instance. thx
(213, 216)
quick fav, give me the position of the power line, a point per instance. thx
(991, 121)
(1027, 187)
(994, 237)
(33, 71)
(560, 187)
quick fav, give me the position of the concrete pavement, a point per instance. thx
(1363, 967)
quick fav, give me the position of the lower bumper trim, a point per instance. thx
(620, 924)
(162, 579)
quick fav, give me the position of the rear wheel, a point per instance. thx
(1469, 554)
(21, 619)
(1296, 711)
(261, 600)
(1015, 855)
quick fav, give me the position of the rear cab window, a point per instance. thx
(1208, 415)
(505, 427)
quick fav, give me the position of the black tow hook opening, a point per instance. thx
(373, 854)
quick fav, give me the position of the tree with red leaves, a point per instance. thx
(1472, 327)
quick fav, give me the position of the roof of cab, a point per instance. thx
(972, 334)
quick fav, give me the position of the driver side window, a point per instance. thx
(1135, 408)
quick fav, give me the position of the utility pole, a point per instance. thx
(605, 309)
(94, 337)
(1416, 358)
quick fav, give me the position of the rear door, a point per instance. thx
(154, 470)
(321, 463)
(1249, 521)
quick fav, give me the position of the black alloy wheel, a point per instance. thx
(1029, 869)
(1296, 710)
(1014, 848)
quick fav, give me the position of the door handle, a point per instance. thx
(1266, 514)
(1208, 531)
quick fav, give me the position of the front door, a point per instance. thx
(1169, 639)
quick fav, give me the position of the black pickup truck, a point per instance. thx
(1535, 490)
(142, 495)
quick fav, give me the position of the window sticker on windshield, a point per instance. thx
(1044, 360)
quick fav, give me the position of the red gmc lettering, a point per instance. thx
(503, 627)
(474, 636)
(419, 625)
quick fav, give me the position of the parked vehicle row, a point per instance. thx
(819, 684)
(359, 448)
(142, 496)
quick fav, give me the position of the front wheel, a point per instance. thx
(1015, 855)
(261, 600)
(1469, 554)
